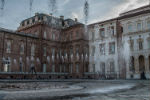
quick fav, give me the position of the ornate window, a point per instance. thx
(102, 32)
(130, 27)
(148, 24)
(102, 49)
(131, 42)
(139, 26)
(112, 48)
(140, 43)
(112, 66)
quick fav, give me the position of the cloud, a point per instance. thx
(17, 10)
(124, 6)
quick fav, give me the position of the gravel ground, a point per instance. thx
(76, 90)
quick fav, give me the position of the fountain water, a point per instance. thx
(2, 4)
(52, 6)
(86, 13)
(31, 4)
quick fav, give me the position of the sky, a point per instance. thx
(99, 10)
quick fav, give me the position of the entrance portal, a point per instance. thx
(142, 67)
(149, 62)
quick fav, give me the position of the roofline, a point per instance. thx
(17, 33)
(136, 9)
(101, 22)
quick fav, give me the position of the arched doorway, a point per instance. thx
(142, 66)
(149, 62)
(132, 65)
(103, 70)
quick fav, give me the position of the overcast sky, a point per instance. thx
(17, 10)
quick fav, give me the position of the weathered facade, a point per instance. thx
(119, 47)
(45, 46)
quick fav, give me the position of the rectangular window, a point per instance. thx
(93, 67)
(93, 36)
(77, 34)
(53, 68)
(112, 48)
(32, 50)
(45, 35)
(130, 28)
(93, 50)
(53, 51)
(70, 36)
(112, 67)
(8, 49)
(102, 49)
(71, 68)
(148, 43)
(44, 51)
(148, 24)
(139, 26)
(22, 49)
(131, 45)
(102, 67)
(44, 68)
(102, 32)
(140, 45)
(77, 68)
(112, 31)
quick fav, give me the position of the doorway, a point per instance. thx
(142, 66)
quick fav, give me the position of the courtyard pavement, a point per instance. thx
(75, 90)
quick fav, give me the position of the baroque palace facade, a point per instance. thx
(49, 47)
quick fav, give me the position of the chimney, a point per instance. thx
(76, 20)
(36, 14)
(51, 14)
(62, 17)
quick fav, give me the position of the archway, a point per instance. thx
(149, 62)
(142, 66)
(103, 70)
(132, 65)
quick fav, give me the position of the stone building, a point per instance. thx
(119, 47)
(48, 46)
(136, 34)
(45, 46)
(103, 49)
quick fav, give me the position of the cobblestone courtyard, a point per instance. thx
(75, 90)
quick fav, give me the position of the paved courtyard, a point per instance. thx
(75, 90)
